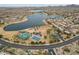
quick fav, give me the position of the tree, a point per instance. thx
(16, 41)
(6, 38)
(36, 43)
(48, 31)
(32, 42)
(40, 42)
(34, 32)
(1, 36)
(67, 50)
(51, 41)
(45, 37)
(7, 16)
(68, 36)
(77, 51)
(43, 42)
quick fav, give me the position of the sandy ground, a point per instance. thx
(23, 20)
(10, 34)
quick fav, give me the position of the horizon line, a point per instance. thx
(33, 5)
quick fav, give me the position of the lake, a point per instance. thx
(33, 20)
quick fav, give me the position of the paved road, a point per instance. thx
(40, 47)
(61, 37)
(51, 52)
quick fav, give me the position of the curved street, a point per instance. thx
(42, 46)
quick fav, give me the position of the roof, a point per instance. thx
(36, 37)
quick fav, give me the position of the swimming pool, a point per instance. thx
(24, 35)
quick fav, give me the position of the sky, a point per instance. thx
(25, 5)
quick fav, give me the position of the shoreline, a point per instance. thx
(9, 34)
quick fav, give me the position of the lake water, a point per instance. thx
(55, 17)
(33, 20)
(37, 10)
